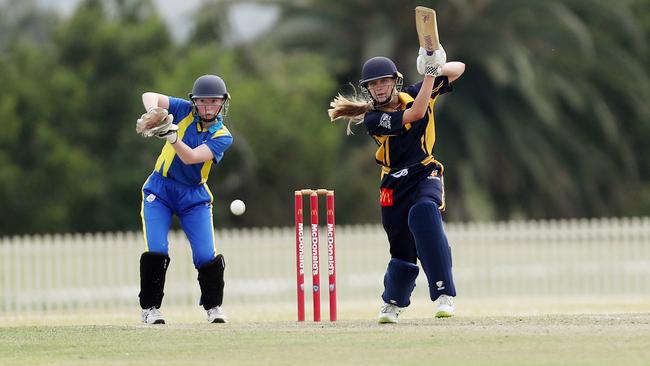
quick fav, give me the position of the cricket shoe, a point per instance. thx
(445, 307)
(152, 315)
(389, 313)
(216, 315)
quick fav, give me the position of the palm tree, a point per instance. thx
(548, 120)
(568, 90)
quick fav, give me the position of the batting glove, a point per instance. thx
(431, 64)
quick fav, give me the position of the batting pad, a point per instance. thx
(432, 247)
(399, 282)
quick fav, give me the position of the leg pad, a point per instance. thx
(399, 282)
(153, 268)
(211, 282)
(425, 222)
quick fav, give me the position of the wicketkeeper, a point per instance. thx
(412, 190)
(195, 139)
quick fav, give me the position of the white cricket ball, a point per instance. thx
(237, 207)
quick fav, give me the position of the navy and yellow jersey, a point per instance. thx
(402, 146)
(190, 131)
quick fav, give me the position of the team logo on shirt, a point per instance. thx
(386, 197)
(151, 197)
(384, 121)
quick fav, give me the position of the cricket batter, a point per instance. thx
(412, 188)
(196, 139)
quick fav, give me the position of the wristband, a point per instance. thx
(431, 70)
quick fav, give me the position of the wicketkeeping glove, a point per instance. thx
(170, 135)
(431, 64)
(156, 121)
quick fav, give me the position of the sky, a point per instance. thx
(248, 20)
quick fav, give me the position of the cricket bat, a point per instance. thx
(427, 27)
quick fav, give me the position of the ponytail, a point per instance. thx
(351, 108)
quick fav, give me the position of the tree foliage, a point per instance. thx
(549, 120)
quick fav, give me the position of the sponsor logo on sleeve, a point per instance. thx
(434, 175)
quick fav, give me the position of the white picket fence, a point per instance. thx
(532, 258)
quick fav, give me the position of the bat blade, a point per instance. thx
(427, 27)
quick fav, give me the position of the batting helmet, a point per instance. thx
(209, 86)
(377, 68)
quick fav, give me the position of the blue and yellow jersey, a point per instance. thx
(402, 146)
(190, 131)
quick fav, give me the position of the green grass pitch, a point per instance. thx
(556, 339)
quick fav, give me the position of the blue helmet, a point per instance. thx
(377, 68)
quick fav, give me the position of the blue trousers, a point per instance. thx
(161, 199)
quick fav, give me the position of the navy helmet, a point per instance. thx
(377, 68)
(209, 86)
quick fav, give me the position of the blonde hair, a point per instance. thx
(351, 108)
